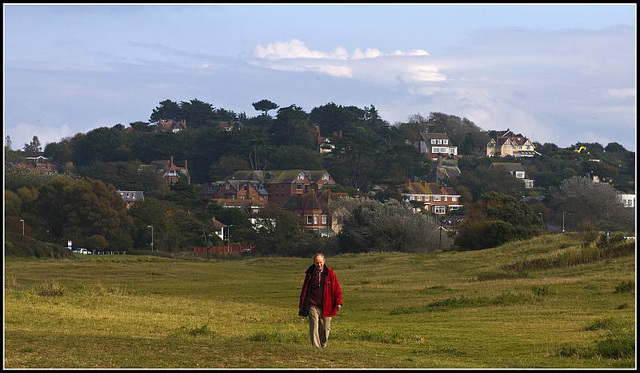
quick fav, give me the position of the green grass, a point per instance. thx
(438, 310)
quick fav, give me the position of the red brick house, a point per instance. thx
(169, 171)
(244, 190)
(314, 209)
(170, 125)
(436, 199)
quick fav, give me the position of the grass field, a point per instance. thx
(437, 310)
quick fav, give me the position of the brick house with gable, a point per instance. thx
(171, 125)
(314, 209)
(169, 171)
(436, 199)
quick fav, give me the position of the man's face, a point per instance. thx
(318, 261)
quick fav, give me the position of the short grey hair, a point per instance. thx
(318, 254)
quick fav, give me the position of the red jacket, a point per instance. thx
(331, 293)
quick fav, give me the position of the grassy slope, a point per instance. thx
(155, 312)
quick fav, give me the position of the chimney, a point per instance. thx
(340, 134)
(171, 161)
(185, 164)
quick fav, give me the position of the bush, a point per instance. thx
(24, 246)
(482, 234)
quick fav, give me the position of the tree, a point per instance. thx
(34, 146)
(495, 219)
(197, 113)
(371, 225)
(264, 106)
(167, 109)
(583, 200)
(78, 209)
(282, 232)
(7, 143)
(226, 166)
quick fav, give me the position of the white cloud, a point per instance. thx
(621, 93)
(295, 49)
(368, 53)
(23, 134)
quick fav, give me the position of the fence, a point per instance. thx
(236, 249)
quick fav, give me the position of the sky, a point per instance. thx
(555, 73)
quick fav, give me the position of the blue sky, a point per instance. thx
(556, 73)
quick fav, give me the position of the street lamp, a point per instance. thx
(22, 220)
(151, 226)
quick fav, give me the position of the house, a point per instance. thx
(506, 143)
(36, 161)
(230, 125)
(436, 199)
(169, 171)
(435, 145)
(249, 190)
(171, 126)
(514, 169)
(131, 196)
(280, 185)
(628, 200)
(314, 209)
(324, 144)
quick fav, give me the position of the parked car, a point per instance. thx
(82, 250)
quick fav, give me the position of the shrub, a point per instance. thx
(617, 344)
(624, 287)
(484, 233)
(50, 290)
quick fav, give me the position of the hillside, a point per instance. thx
(545, 302)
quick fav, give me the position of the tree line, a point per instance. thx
(369, 152)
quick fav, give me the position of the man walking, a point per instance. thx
(320, 299)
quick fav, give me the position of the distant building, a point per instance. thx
(514, 169)
(170, 125)
(436, 199)
(169, 171)
(628, 200)
(506, 143)
(131, 196)
(435, 144)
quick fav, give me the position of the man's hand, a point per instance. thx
(339, 307)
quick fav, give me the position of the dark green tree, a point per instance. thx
(34, 146)
(264, 106)
(167, 109)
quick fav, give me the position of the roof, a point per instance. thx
(429, 188)
(509, 167)
(217, 224)
(131, 195)
(433, 135)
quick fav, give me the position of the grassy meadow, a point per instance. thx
(493, 308)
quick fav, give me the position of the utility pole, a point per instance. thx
(22, 220)
(151, 226)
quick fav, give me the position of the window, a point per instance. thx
(436, 198)
(445, 141)
(324, 219)
(309, 219)
(433, 141)
(454, 199)
(315, 219)
(439, 209)
(426, 198)
(520, 174)
(445, 198)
